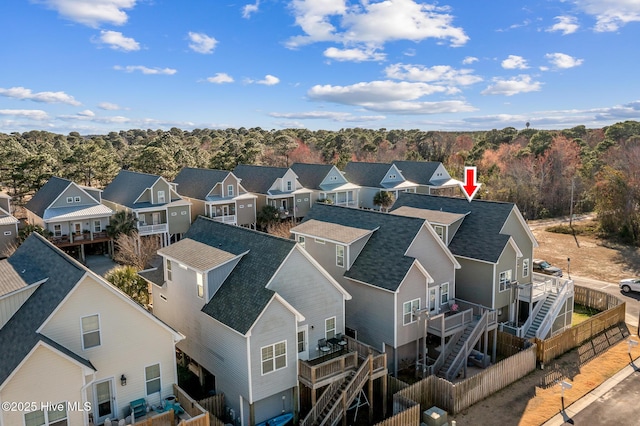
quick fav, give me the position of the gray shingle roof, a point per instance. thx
(382, 261)
(197, 183)
(35, 260)
(331, 231)
(311, 175)
(258, 179)
(418, 171)
(243, 295)
(366, 174)
(127, 186)
(46, 195)
(479, 234)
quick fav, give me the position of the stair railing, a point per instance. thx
(471, 341)
(545, 326)
(321, 404)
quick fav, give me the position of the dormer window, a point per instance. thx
(229, 190)
(439, 231)
(333, 178)
(392, 176)
(69, 200)
(161, 198)
(77, 199)
(289, 185)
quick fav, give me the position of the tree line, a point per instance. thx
(546, 173)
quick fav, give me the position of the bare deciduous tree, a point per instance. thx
(136, 251)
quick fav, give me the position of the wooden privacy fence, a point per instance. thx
(199, 416)
(405, 413)
(163, 419)
(456, 397)
(215, 406)
(557, 345)
(595, 299)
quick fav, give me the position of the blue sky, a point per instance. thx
(95, 66)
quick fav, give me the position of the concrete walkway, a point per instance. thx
(100, 264)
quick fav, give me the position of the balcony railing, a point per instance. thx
(76, 239)
(153, 229)
(230, 218)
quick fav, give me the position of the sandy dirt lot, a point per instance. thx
(525, 403)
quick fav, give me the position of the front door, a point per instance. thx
(104, 400)
(225, 210)
(303, 342)
(433, 300)
(77, 227)
(155, 217)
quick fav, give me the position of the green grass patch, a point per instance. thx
(582, 313)
(590, 228)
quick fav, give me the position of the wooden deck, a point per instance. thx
(76, 240)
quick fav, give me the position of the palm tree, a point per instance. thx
(121, 223)
(127, 279)
(384, 200)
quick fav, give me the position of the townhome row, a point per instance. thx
(78, 215)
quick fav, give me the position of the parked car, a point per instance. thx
(545, 267)
(630, 284)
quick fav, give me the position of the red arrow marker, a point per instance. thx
(470, 186)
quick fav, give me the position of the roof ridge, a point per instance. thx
(248, 230)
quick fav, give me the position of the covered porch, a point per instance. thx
(223, 211)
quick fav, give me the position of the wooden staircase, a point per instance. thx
(334, 401)
(457, 348)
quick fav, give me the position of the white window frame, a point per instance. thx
(340, 255)
(444, 295)
(504, 279)
(271, 360)
(97, 226)
(392, 176)
(320, 241)
(83, 332)
(329, 333)
(77, 199)
(302, 344)
(229, 190)
(301, 240)
(148, 380)
(69, 200)
(169, 271)
(439, 229)
(526, 267)
(57, 230)
(409, 311)
(7, 233)
(161, 196)
(289, 185)
(200, 285)
(45, 414)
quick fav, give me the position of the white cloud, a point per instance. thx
(566, 25)
(513, 86)
(92, 13)
(46, 97)
(108, 106)
(249, 9)
(202, 43)
(561, 60)
(220, 78)
(269, 80)
(469, 60)
(388, 96)
(354, 55)
(145, 70)
(117, 41)
(327, 115)
(442, 74)
(611, 14)
(373, 24)
(87, 113)
(515, 62)
(31, 114)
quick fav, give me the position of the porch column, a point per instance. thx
(495, 344)
(370, 391)
(384, 396)
(296, 404)
(313, 397)
(252, 414)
